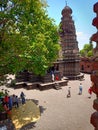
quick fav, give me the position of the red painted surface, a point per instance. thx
(95, 104)
(95, 22)
(94, 120)
(94, 75)
(95, 8)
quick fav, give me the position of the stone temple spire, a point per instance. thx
(69, 44)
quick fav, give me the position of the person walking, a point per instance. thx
(22, 95)
(6, 99)
(53, 77)
(10, 102)
(80, 89)
(16, 102)
(69, 92)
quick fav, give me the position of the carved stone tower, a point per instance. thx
(70, 52)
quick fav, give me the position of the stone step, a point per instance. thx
(57, 86)
(49, 85)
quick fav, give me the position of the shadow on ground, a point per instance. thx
(32, 125)
(28, 126)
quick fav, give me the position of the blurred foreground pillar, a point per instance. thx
(94, 75)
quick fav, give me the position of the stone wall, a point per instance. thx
(86, 65)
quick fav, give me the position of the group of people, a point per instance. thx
(8, 102)
(55, 78)
(80, 91)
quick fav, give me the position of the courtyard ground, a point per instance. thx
(59, 112)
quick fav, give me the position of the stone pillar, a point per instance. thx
(94, 75)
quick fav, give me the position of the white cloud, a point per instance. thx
(79, 33)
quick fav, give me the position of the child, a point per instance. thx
(80, 89)
(69, 93)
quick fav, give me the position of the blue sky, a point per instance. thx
(82, 15)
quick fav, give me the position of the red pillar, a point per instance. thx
(94, 75)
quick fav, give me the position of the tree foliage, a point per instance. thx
(87, 50)
(28, 37)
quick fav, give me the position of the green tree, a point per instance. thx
(28, 37)
(87, 50)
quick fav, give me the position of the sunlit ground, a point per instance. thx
(25, 114)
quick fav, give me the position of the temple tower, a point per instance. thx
(70, 52)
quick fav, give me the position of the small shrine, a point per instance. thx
(94, 75)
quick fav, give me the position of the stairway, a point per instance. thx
(57, 86)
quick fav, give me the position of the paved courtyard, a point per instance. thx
(59, 112)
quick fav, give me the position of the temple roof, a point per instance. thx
(66, 10)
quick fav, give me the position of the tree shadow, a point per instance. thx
(32, 124)
(33, 100)
(28, 126)
(42, 109)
